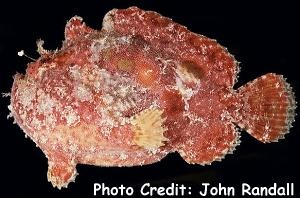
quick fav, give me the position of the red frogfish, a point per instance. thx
(141, 87)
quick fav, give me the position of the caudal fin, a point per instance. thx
(267, 108)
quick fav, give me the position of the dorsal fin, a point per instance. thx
(76, 28)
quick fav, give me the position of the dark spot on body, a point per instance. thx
(192, 68)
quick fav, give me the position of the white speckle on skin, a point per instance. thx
(71, 116)
(26, 92)
(75, 72)
(36, 123)
(73, 148)
(107, 99)
(83, 93)
(45, 103)
(123, 156)
(43, 139)
(267, 127)
(185, 92)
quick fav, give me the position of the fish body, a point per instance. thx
(141, 87)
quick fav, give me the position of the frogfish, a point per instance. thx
(137, 89)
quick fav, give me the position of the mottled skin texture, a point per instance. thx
(138, 89)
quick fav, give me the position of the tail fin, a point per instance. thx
(267, 108)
